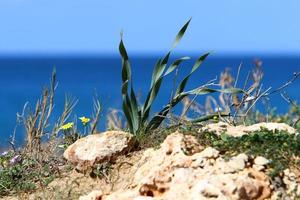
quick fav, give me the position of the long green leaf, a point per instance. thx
(205, 90)
(135, 111)
(157, 75)
(197, 64)
(158, 119)
(124, 87)
(156, 81)
(175, 64)
(129, 107)
(180, 34)
(154, 90)
(160, 68)
(126, 69)
(150, 99)
(155, 72)
(127, 112)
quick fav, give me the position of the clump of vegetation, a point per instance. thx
(37, 122)
(19, 172)
(138, 116)
(40, 161)
(101, 170)
(281, 148)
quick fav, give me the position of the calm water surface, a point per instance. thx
(22, 79)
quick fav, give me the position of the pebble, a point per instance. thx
(258, 167)
(261, 161)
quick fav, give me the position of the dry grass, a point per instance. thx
(40, 160)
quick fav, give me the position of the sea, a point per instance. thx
(22, 78)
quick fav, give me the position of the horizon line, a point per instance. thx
(145, 54)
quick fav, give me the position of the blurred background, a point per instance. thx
(80, 39)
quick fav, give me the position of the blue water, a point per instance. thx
(22, 79)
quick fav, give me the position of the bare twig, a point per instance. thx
(208, 117)
(256, 99)
(295, 76)
(114, 120)
(285, 96)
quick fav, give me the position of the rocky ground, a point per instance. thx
(180, 168)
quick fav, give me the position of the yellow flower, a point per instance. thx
(216, 118)
(84, 120)
(67, 126)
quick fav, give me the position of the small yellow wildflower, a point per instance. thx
(84, 120)
(67, 126)
(216, 118)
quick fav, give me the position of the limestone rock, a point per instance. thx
(170, 173)
(259, 160)
(94, 149)
(272, 126)
(236, 163)
(209, 152)
(238, 131)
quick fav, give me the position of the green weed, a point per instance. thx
(22, 173)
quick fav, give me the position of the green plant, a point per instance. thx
(37, 121)
(138, 115)
(70, 131)
(101, 170)
(37, 164)
(281, 148)
(22, 173)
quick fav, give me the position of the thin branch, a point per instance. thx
(295, 76)
(256, 99)
(285, 96)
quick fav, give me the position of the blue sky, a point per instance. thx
(93, 26)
